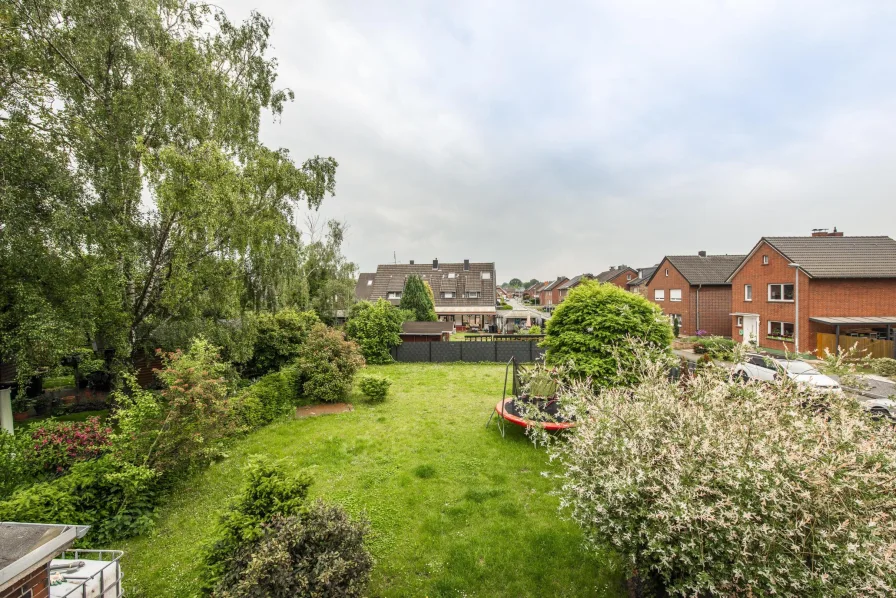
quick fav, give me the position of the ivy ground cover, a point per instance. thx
(455, 509)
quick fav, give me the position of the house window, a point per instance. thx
(780, 292)
(472, 295)
(748, 292)
(740, 321)
(452, 274)
(675, 295)
(628, 277)
(765, 260)
(667, 271)
(486, 276)
(447, 295)
(393, 295)
(780, 330)
(369, 282)
(659, 295)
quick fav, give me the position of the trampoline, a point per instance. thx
(515, 409)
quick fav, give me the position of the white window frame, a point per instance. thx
(370, 282)
(667, 271)
(659, 294)
(672, 295)
(740, 321)
(393, 295)
(473, 295)
(452, 275)
(748, 292)
(628, 276)
(765, 260)
(486, 276)
(447, 295)
(769, 329)
(782, 285)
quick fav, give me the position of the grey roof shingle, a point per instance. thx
(362, 288)
(426, 327)
(646, 273)
(560, 280)
(391, 277)
(608, 275)
(840, 257)
(710, 270)
(574, 281)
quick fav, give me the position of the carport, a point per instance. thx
(875, 346)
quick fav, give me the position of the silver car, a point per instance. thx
(880, 407)
(768, 369)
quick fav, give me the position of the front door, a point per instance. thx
(751, 330)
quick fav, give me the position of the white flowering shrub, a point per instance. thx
(716, 488)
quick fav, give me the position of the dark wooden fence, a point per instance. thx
(444, 352)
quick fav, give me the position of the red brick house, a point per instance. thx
(618, 275)
(638, 286)
(550, 294)
(565, 287)
(694, 289)
(803, 292)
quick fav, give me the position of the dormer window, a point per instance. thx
(486, 276)
(393, 295)
(452, 275)
(472, 294)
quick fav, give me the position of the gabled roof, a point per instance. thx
(835, 257)
(449, 277)
(556, 283)
(364, 285)
(646, 273)
(703, 270)
(574, 281)
(612, 273)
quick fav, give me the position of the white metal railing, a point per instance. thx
(88, 574)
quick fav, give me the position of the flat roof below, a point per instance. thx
(856, 320)
(465, 309)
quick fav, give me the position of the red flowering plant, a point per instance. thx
(59, 445)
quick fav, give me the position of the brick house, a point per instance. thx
(805, 292)
(531, 292)
(565, 287)
(638, 286)
(618, 275)
(464, 293)
(550, 294)
(694, 289)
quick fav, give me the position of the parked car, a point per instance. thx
(768, 369)
(880, 407)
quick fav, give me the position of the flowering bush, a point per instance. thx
(59, 445)
(716, 487)
(327, 365)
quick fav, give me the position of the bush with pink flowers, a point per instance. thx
(59, 445)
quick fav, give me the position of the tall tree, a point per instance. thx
(130, 128)
(516, 283)
(417, 300)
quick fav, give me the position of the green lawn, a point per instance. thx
(455, 509)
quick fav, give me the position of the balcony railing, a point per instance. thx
(86, 574)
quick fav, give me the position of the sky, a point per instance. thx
(565, 137)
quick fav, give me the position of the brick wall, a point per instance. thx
(715, 309)
(622, 279)
(35, 585)
(685, 308)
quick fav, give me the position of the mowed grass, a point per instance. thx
(455, 510)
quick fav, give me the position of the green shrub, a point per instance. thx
(268, 491)
(885, 366)
(327, 365)
(116, 499)
(417, 298)
(279, 337)
(375, 327)
(375, 387)
(717, 488)
(535, 329)
(505, 307)
(17, 466)
(716, 347)
(591, 326)
(320, 554)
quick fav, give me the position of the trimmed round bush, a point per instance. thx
(885, 366)
(375, 387)
(327, 365)
(590, 329)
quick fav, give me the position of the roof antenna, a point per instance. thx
(394, 259)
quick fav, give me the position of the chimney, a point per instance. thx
(701, 253)
(412, 262)
(612, 268)
(435, 264)
(466, 265)
(823, 232)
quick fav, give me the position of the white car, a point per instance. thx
(768, 369)
(880, 407)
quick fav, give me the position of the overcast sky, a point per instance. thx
(564, 137)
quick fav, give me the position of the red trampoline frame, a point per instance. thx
(501, 410)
